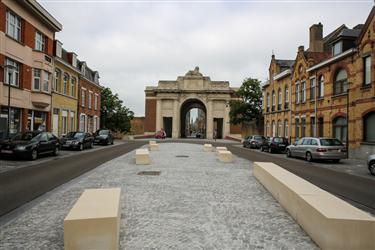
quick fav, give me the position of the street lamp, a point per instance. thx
(10, 71)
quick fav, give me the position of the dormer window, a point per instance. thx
(83, 69)
(337, 48)
(96, 77)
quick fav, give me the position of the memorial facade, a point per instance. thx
(167, 106)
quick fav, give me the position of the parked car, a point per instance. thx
(160, 135)
(30, 145)
(77, 140)
(371, 164)
(103, 136)
(274, 144)
(253, 141)
(312, 148)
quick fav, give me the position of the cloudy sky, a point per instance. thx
(134, 44)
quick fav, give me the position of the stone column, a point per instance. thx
(158, 115)
(176, 120)
(226, 120)
(210, 124)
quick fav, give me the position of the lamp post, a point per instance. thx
(10, 70)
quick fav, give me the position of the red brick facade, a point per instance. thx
(2, 16)
(235, 129)
(83, 83)
(150, 115)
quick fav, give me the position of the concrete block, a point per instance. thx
(221, 148)
(331, 222)
(207, 147)
(142, 157)
(153, 147)
(151, 142)
(225, 156)
(94, 220)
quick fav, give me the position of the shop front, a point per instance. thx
(15, 122)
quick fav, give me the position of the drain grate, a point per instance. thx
(182, 156)
(153, 173)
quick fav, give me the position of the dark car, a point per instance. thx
(253, 141)
(30, 145)
(103, 136)
(274, 144)
(77, 140)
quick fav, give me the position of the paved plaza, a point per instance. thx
(196, 202)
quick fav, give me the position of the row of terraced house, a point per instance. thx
(328, 90)
(42, 86)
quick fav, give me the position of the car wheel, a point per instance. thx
(288, 153)
(372, 167)
(34, 154)
(81, 147)
(56, 151)
(309, 157)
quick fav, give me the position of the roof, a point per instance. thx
(284, 63)
(89, 73)
(350, 33)
(367, 23)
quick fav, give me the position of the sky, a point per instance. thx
(134, 44)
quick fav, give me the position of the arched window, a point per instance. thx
(286, 97)
(286, 129)
(340, 84)
(65, 84)
(340, 127)
(321, 87)
(280, 99)
(273, 100)
(368, 127)
(273, 129)
(268, 102)
(280, 128)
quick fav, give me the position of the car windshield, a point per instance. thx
(330, 142)
(278, 139)
(103, 132)
(27, 136)
(75, 135)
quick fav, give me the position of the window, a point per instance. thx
(36, 80)
(64, 122)
(306, 141)
(321, 87)
(268, 102)
(73, 87)
(72, 115)
(13, 26)
(312, 89)
(341, 83)
(83, 96)
(303, 127)
(314, 142)
(39, 41)
(303, 92)
(286, 129)
(280, 128)
(286, 96)
(90, 99)
(367, 70)
(96, 102)
(297, 128)
(56, 83)
(368, 130)
(280, 99)
(320, 127)
(273, 129)
(273, 100)
(340, 128)
(312, 127)
(45, 81)
(297, 93)
(65, 84)
(12, 73)
(337, 48)
(82, 123)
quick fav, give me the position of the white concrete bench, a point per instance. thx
(225, 156)
(153, 147)
(331, 222)
(142, 157)
(151, 142)
(94, 220)
(207, 147)
(221, 149)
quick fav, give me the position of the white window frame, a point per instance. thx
(297, 93)
(65, 83)
(83, 97)
(96, 101)
(73, 83)
(14, 73)
(90, 99)
(313, 89)
(45, 81)
(337, 48)
(286, 95)
(40, 41)
(37, 78)
(367, 68)
(56, 80)
(321, 87)
(303, 92)
(13, 26)
(280, 96)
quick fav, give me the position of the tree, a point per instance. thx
(113, 114)
(249, 108)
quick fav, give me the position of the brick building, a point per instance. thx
(27, 32)
(333, 88)
(88, 99)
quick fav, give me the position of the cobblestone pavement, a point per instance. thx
(350, 166)
(197, 202)
(10, 164)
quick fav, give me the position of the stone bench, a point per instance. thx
(207, 147)
(153, 147)
(142, 157)
(221, 149)
(94, 220)
(151, 142)
(331, 222)
(225, 156)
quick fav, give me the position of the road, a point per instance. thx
(22, 185)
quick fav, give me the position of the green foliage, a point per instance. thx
(249, 108)
(113, 114)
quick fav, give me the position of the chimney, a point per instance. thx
(316, 38)
(301, 48)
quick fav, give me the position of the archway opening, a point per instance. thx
(193, 119)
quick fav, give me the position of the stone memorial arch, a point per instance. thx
(168, 103)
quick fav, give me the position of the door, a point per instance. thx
(55, 124)
(167, 124)
(218, 127)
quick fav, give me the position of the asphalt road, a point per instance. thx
(22, 185)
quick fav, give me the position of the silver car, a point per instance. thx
(312, 148)
(371, 164)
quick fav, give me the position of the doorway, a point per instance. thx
(167, 125)
(218, 127)
(193, 119)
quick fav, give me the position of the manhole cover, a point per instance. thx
(182, 156)
(149, 173)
